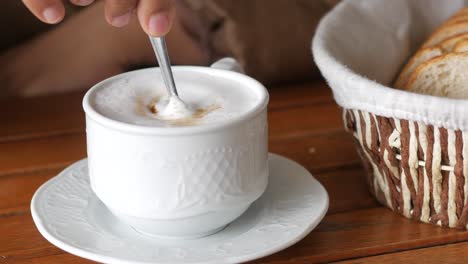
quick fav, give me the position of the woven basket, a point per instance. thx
(414, 169)
(414, 147)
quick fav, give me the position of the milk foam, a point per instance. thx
(173, 108)
(140, 98)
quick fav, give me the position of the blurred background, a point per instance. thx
(271, 39)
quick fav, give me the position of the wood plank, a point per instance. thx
(297, 138)
(305, 120)
(39, 255)
(63, 114)
(313, 144)
(285, 124)
(62, 258)
(340, 236)
(347, 190)
(299, 94)
(364, 233)
(16, 191)
(41, 153)
(40, 116)
(14, 246)
(446, 254)
(317, 152)
(22, 235)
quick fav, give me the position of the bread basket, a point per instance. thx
(414, 147)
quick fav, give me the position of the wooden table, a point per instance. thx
(41, 136)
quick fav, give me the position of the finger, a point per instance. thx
(156, 16)
(48, 11)
(119, 12)
(82, 2)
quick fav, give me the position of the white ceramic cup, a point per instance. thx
(182, 182)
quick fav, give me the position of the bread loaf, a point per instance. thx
(445, 75)
(445, 32)
(448, 44)
(439, 67)
(461, 46)
(420, 57)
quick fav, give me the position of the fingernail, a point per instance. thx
(82, 2)
(51, 15)
(158, 24)
(122, 20)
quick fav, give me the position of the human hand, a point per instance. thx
(85, 50)
(76, 55)
(155, 16)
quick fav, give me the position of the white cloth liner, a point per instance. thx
(360, 47)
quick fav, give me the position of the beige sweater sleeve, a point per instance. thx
(271, 39)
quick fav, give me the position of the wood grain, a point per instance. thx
(20, 234)
(340, 236)
(296, 130)
(305, 125)
(62, 258)
(299, 94)
(347, 190)
(16, 191)
(350, 184)
(317, 152)
(40, 255)
(304, 120)
(41, 153)
(447, 254)
(63, 114)
(40, 116)
(364, 233)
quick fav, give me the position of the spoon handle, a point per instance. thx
(159, 46)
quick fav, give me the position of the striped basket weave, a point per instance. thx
(413, 146)
(417, 170)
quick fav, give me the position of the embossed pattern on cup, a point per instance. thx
(168, 174)
(139, 177)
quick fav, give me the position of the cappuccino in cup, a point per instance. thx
(142, 100)
(173, 168)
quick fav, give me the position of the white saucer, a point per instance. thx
(69, 215)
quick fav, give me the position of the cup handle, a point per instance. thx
(228, 64)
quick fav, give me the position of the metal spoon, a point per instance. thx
(159, 46)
